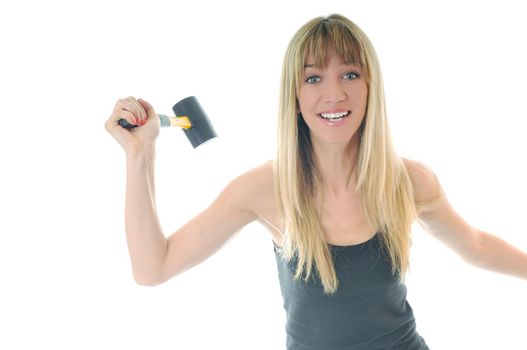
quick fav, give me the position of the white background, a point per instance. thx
(455, 82)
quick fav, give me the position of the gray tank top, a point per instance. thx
(368, 311)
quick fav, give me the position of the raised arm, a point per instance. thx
(437, 217)
(154, 257)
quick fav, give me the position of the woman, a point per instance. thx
(337, 200)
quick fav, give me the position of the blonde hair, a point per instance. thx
(383, 184)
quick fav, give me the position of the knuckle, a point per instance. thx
(120, 104)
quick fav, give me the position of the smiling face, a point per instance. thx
(332, 100)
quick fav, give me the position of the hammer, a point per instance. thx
(190, 117)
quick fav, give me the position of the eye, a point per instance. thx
(313, 79)
(351, 75)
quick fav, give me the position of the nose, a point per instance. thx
(334, 91)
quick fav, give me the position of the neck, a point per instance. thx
(337, 163)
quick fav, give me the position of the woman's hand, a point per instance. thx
(137, 112)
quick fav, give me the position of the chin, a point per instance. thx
(343, 140)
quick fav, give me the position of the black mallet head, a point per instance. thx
(201, 129)
(190, 116)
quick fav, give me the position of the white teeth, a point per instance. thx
(334, 116)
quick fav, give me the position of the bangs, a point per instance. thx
(331, 36)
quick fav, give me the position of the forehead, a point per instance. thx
(311, 62)
(330, 39)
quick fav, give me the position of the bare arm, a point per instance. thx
(147, 244)
(437, 217)
(211, 229)
(154, 257)
(500, 256)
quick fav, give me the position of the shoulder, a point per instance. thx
(257, 178)
(426, 185)
(253, 186)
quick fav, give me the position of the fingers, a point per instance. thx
(129, 116)
(130, 109)
(135, 112)
(148, 108)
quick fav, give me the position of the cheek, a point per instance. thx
(304, 98)
(299, 101)
(360, 97)
(364, 93)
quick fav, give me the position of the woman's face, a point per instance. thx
(333, 100)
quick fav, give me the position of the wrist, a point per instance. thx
(142, 152)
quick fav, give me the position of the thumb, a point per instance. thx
(150, 113)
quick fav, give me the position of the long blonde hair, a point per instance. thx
(383, 184)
